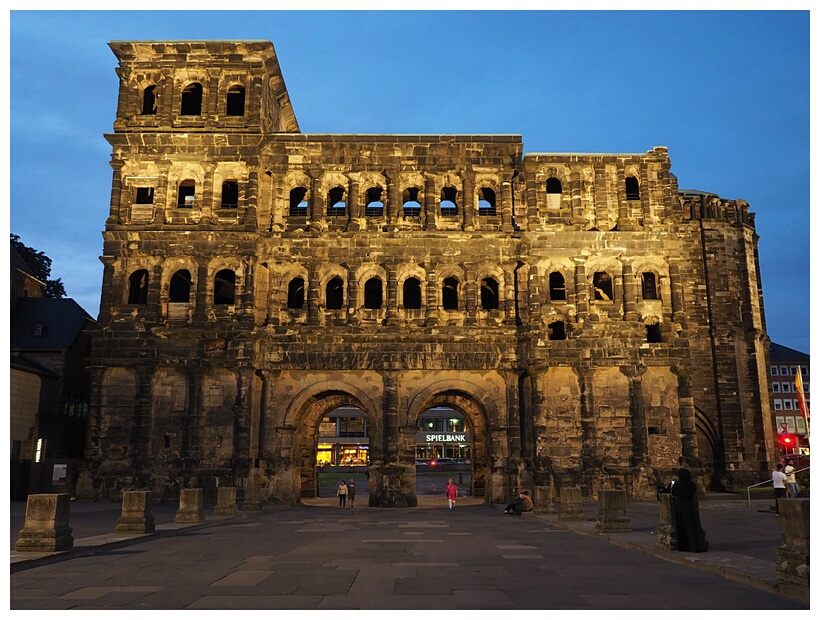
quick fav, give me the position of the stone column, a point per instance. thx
(46, 526)
(242, 423)
(137, 515)
(354, 208)
(432, 298)
(209, 198)
(393, 200)
(201, 306)
(468, 198)
(793, 554)
(353, 318)
(534, 297)
(107, 289)
(543, 500)
(161, 193)
(575, 186)
(279, 203)
(210, 103)
(471, 297)
(630, 294)
(667, 536)
(316, 203)
(581, 292)
(638, 413)
(645, 195)
(92, 435)
(509, 294)
(153, 300)
(226, 502)
(391, 416)
(506, 207)
(531, 196)
(313, 298)
(676, 288)
(600, 195)
(570, 507)
(193, 415)
(142, 423)
(253, 107)
(430, 204)
(588, 428)
(115, 210)
(251, 200)
(612, 511)
(249, 296)
(392, 297)
(624, 216)
(166, 97)
(688, 430)
(190, 507)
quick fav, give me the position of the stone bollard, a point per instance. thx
(793, 554)
(570, 506)
(543, 501)
(46, 527)
(190, 507)
(612, 511)
(667, 537)
(137, 513)
(226, 501)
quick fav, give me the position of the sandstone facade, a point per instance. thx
(595, 325)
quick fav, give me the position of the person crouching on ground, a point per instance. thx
(523, 503)
(452, 494)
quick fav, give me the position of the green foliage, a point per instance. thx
(41, 267)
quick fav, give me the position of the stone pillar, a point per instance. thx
(645, 193)
(506, 207)
(471, 296)
(161, 193)
(191, 420)
(543, 500)
(137, 514)
(509, 294)
(391, 417)
(142, 423)
(115, 217)
(638, 413)
(393, 201)
(166, 97)
(624, 215)
(354, 208)
(793, 554)
(686, 404)
(430, 204)
(251, 200)
(432, 297)
(248, 299)
(581, 293)
(531, 198)
(242, 423)
(226, 502)
(392, 297)
(316, 205)
(570, 507)
(575, 196)
(190, 507)
(612, 511)
(206, 208)
(46, 527)
(534, 298)
(153, 298)
(468, 198)
(313, 298)
(630, 294)
(676, 288)
(107, 289)
(279, 204)
(667, 536)
(353, 318)
(201, 295)
(600, 194)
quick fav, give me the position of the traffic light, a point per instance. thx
(789, 442)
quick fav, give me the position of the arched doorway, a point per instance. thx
(444, 450)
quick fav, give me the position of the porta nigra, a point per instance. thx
(592, 323)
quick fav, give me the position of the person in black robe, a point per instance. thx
(691, 536)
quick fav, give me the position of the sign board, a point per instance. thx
(442, 437)
(58, 474)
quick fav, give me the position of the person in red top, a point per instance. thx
(452, 494)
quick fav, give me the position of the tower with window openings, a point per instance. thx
(593, 324)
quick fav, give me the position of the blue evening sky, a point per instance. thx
(726, 91)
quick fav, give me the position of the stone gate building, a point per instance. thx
(594, 324)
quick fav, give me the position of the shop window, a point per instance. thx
(336, 206)
(373, 294)
(558, 290)
(149, 100)
(374, 207)
(138, 287)
(602, 286)
(449, 294)
(448, 205)
(145, 195)
(633, 191)
(486, 202)
(489, 294)
(558, 330)
(179, 290)
(334, 294)
(653, 332)
(185, 197)
(235, 101)
(649, 288)
(298, 202)
(191, 100)
(225, 288)
(230, 195)
(296, 294)
(411, 207)
(411, 294)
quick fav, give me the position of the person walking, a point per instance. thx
(452, 494)
(779, 484)
(791, 481)
(351, 492)
(342, 493)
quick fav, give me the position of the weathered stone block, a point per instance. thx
(612, 511)
(667, 537)
(543, 500)
(137, 513)
(46, 527)
(226, 501)
(793, 554)
(571, 508)
(190, 507)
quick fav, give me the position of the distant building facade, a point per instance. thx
(591, 323)
(784, 364)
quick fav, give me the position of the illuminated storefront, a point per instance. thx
(343, 439)
(443, 433)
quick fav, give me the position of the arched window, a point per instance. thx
(334, 294)
(489, 294)
(138, 287)
(230, 195)
(235, 101)
(558, 330)
(411, 294)
(448, 205)
(335, 202)
(558, 289)
(185, 196)
(374, 207)
(191, 100)
(179, 290)
(296, 294)
(486, 202)
(298, 202)
(653, 332)
(411, 207)
(373, 294)
(649, 288)
(554, 190)
(149, 100)
(602, 285)
(225, 288)
(449, 294)
(633, 190)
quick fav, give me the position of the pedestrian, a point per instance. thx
(791, 481)
(342, 493)
(522, 504)
(452, 494)
(779, 484)
(690, 534)
(351, 492)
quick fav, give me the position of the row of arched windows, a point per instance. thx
(191, 100)
(602, 286)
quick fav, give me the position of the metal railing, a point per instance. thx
(769, 481)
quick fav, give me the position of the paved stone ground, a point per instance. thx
(319, 556)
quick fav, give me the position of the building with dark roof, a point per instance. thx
(784, 364)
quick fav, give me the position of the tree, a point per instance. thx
(41, 267)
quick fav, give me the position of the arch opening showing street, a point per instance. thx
(590, 323)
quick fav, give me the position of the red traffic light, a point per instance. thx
(787, 440)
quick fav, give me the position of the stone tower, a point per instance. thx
(594, 324)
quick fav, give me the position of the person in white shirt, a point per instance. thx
(791, 482)
(779, 484)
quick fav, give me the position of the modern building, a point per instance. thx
(273, 300)
(784, 364)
